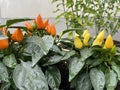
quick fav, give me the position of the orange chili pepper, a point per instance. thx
(17, 35)
(53, 30)
(48, 29)
(46, 22)
(4, 31)
(4, 43)
(39, 22)
(28, 26)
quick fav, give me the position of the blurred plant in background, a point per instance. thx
(101, 14)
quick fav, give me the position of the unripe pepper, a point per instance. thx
(4, 43)
(78, 43)
(39, 22)
(17, 35)
(28, 26)
(109, 42)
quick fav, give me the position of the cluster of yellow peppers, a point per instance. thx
(98, 40)
(18, 36)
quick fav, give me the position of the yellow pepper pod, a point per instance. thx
(100, 36)
(86, 39)
(84, 33)
(97, 42)
(78, 43)
(109, 42)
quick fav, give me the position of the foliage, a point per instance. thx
(31, 55)
(102, 14)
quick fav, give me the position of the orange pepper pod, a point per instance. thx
(4, 31)
(17, 35)
(46, 23)
(4, 43)
(48, 29)
(39, 22)
(28, 26)
(53, 30)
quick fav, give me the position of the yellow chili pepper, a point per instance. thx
(17, 35)
(109, 42)
(99, 39)
(78, 43)
(84, 33)
(86, 39)
(100, 36)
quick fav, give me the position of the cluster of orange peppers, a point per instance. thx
(40, 24)
(98, 40)
(18, 36)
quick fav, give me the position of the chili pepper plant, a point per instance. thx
(31, 55)
(96, 62)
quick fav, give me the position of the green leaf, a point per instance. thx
(48, 40)
(82, 82)
(2, 26)
(97, 78)
(5, 86)
(116, 68)
(68, 55)
(27, 77)
(111, 80)
(75, 66)
(13, 21)
(10, 61)
(68, 30)
(56, 49)
(38, 41)
(53, 60)
(85, 53)
(37, 54)
(53, 77)
(3, 73)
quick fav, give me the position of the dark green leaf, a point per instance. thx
(68, 55)
(27, 77)
(85, 53)
(48, 40)
(13, 21)
(5, 86)
(53, 77)
(69, 30)
(97, 78)
(3, 73)
(2, 26)
(10, 61)
(53, 60)
(82, 82)
(111, 80)
(38, 41)
(37, 54)
(76, 64)
(56, 49)
(116, 68)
